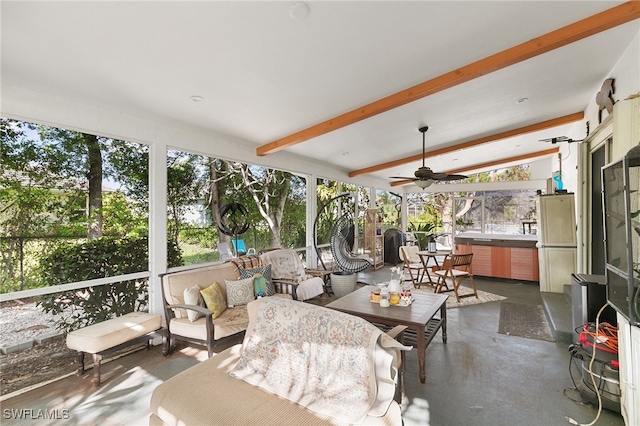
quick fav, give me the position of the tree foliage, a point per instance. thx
(103, 257)
(185, 183)
(269, 190)
(199, 182)
(389, 206)
(63, 169)
(51, 185)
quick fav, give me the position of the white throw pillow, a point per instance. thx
(192, 297)
(239, 292)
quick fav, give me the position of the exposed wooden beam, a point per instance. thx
(579, 30)
(503, 135)
(523, 157)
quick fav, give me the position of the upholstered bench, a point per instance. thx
(291, 371)
(113, 335)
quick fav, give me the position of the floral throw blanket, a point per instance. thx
(319, 358)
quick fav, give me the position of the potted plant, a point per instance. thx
(425, 235)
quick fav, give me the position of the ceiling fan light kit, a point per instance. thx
(424, 176)
(423, 184)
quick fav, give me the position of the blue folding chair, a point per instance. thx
(239, 247)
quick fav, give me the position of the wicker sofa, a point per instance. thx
(317, 367)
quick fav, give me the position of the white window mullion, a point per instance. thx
(312, 209)
(157, 222)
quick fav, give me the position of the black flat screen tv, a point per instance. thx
(621, 204)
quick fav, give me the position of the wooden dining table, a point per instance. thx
(426, 255)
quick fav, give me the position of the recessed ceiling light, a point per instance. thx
(522, 100)
(299, 11)
(197, 98)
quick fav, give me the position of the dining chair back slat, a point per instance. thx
(458, 269)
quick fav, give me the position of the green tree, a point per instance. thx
(217, 188)
(72, 162)
(185, 183)
(210, 183)
(77, 156)
(122, 218)
(389, 206)
(270, 191)
(128, 164)
(48, 177)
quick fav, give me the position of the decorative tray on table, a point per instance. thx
(405, 298)
(405, 301)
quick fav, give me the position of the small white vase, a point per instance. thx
(394, 286)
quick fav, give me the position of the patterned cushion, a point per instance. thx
(192, 296)
(239, 292)
(262, 284)
(214, 299)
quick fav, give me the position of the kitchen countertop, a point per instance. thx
(498, 240)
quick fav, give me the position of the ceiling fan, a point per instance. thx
(424, 176)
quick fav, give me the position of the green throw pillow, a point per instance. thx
(214, 299)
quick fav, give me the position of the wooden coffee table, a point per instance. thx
(420, 316)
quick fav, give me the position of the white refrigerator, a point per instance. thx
(557, 240)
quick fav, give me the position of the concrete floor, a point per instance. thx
(480, 377)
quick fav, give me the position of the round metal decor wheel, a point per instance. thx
(233, 219)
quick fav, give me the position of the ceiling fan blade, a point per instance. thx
(443, 177)
(403, 177)
(439, 176)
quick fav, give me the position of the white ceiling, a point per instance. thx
(265, 75)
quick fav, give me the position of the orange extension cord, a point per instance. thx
(611, 334)
(606, 338)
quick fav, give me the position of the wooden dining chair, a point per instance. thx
(411, 262)
(458, 269)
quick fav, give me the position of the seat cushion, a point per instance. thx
(107, 334)
(231, 321)
(454, 272)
